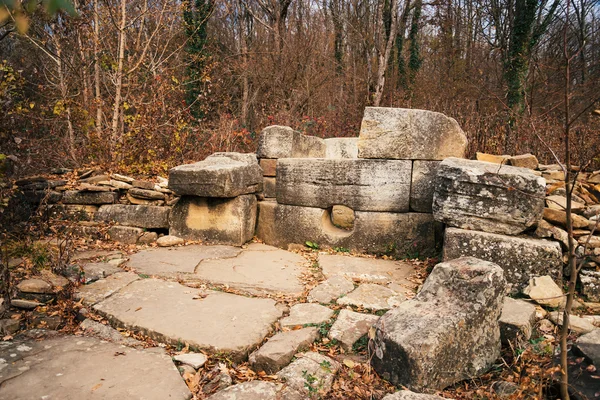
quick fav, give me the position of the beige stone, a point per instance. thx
(341, 148)
(491, 158)
(560, 218)
(283, 142)
(423, 185)
(342, 217)
(544, 291)
(269, 166)
(351, 326)
(556, 202)
(270, 187)
(281, 348)
(525, 161)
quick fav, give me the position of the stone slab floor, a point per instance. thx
(215, 299)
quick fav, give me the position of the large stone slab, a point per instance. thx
(487, 197)
(406, 134)
(373, 297)
(171, 262)
(398, 234)
(149, 217)
(103, 288)
(363, 185)
(520, 257)
(74, 368)
(214, 220)
(341, 148)
(85, 197)
(283, 142)
(423, 185)
(363, 269)
(306, 314)
(449, 332)
(219, 175)
(257, 271)
(173, 313)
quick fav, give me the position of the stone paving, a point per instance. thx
(231, 305)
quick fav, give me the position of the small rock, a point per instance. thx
(58, 282)
(310, 372)
(186, 369)
(280, 349)
(45, 321)
(330, 289)
(123, 178)
(194, 360)
(589, 345)
(9, 326)
(351, 326)
(545, 326)
(560, 218)
(251, 390)
(504, 389)
(342, 217)
(491, 158)
(408, 395)
(142, 184)
(125, 234)
(106, 332)
(220, 382)
(169, 240)
(146, 194)
(25, 304)
(94, 271)
(516, 321)
(35, 286)
(148, 237)
(307, 313)
(590, 284)
(544, 291)
(117, 184)
(560, 203)
(372, 296)
(576, 324)
(525, 161)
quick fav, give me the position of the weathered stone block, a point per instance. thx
(405, 134)
(219, 175)
(283, 142)
(492, 158)
(517, 320)
(125, 234)
(375, 232)
(448, 332)
(149, 217)
(84, 197)
(341, 148)
(342, 217)
(270, 187)
(590, 285)
(227, 221)
(72, 211)
(487, 197)
(423, 185)
(525, 161)
(280, 349)
(351, 326)
(363, 185)
(269, 166)
(520, 258)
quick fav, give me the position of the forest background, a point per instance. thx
(144, 85)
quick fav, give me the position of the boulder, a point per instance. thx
(520, 257)
(517, 321)
(589, 345)
(544, 291)
(374, 232)
(449, 332)
(351, 326)
(405, 134)
(283, 142)
(487, 197)
(341, 148)
(524, 161)
(281, 348)
(125, 234)
(219, 175)
(423, 184)
(216, 220)
(362, 185)
(149, 217)
(269, 166)
(85, 197)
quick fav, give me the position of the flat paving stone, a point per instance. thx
(210, 320)
(306, 313)
(169, 262)
(280, 349)
(265, 270)
(320, 367)
(372, 296)
(330, 289)
(103, 288)
(351, 326)
(252, 390)
(361, 269)
(73, 368)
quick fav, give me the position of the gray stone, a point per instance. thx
(106, 332)
(270, 187)
(215, 220)
(122, 178)
(544, 291)
(257, 271)
(373, 297)
(423, 185)
(146, 194)
(577, 324)
(408, 395)
(319, 368)
(517, 321)
(362, 185)
(140, 184)
(84, 197)
(149, 217)
(342, 217)
(590, 284)
(408, 134)
(361, 269)
(449, 332)
(169, 241)
(520, 257)
(219, 175)
(72, 211)
(283, 142)
(351, 326)
(281, 348)
(557, 202)
(35, 286)
(116, 184)
(144, 202)
(221, 322)
(194, 360)
(341, 148)
(547, 230)
(103, 288)
(124, 234)
(374, 232)
(95, 271)
(148, 237)
(251, 390)
(330, 290)
(80, 368)
(504, 389)
(167, 262)
(25, 304)
(306, 314)
(487, 197)
(8, 327)
(589, 345)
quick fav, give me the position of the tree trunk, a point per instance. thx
(116, 134)
(64, 93)
(384, 49)
(97, 93)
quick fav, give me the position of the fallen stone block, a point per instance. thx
(215, 220)
(149, 217)
(407, 134)
(219, 175)
(525, 161)
(449, 332)
(337, 148)
(319, 369)
(517, 321)
(281, 348)
(404, 234)
(589, 346)
(520, 257)
(85, 197)
(423, 184)
(283, 142)
(487, 197)
(362, 185)
(544, 291)
(124, 234)
(351, 326)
